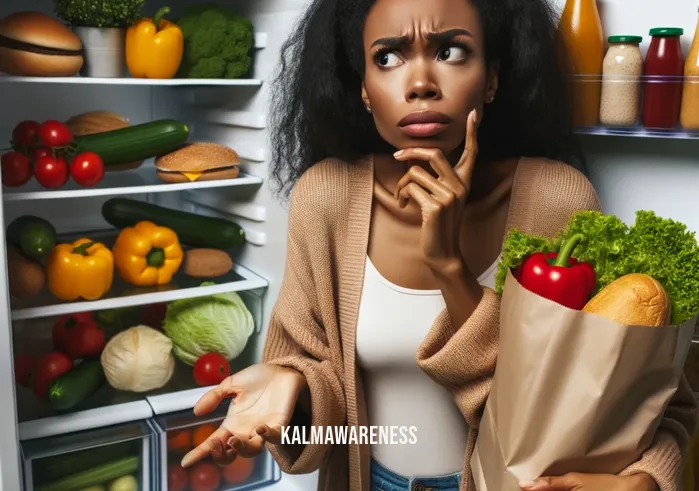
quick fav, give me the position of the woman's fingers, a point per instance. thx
(222, 454)
(417, 174)
(464, 168)
(207, 447)
(247, 447)
(437, 161)
(214, 397)
(271, 434)
(424, 199)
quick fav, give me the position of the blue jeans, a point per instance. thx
(384, 480)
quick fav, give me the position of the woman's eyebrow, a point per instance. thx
(433, 37)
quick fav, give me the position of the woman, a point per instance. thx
(386, 315)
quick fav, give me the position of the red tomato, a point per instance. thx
(46, 370)
(211, 369)
(204, 476)
(239, 471)
(16, 169)
(24, 364)
(54, 134)
(87, 341)
(41, 152)
(87, 169)
(176, 478)
(51, 172)
(25, 133)
(65, 326)
(153, 315)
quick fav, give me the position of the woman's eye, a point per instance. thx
(452, 53)
(387, 59)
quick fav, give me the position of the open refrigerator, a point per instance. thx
(630, 169)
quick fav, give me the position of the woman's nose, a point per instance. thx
(422, 86)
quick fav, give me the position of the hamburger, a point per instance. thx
(35, 45)
(201, 161)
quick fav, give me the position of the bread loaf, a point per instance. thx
(634, 299)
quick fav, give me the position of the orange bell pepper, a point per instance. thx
(154, 47)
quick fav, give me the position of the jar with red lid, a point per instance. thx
(664, 69)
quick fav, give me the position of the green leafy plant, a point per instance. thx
(99, 13)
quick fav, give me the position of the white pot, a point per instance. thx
(105, 49)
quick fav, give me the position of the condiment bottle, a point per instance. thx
(689, 116)
(621, 82)
(580, 28)
(664, 68)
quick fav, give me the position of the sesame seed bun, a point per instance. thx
(201, 160)
(34, 44)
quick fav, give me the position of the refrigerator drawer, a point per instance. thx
(177, 433)
(114, 457)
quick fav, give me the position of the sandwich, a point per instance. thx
(35, 45)
(200, 161)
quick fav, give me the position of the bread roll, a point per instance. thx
(35, 45)
(200, 161)
(634, 299)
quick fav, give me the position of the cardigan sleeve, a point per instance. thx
(462, 358)
(302, 336)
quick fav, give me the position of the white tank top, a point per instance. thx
(391, 324)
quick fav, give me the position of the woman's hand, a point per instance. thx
(592, 482)
(442, 199)
(264, 397)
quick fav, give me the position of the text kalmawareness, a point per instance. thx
(347, 435)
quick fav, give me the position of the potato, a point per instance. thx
(26, 276)
(206, 263)
(634, 299)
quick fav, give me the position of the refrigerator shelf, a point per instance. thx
(140, 181)
(122, 295)
(171, 82)
(638, 132)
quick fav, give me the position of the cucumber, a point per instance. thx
(95, 476)
(33, 235)
(135, 143)
(73, 387)
(191, 229)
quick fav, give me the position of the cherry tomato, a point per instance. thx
(176, 478)
(211, 369)
(204, 476)
(16, 169)
(51, 172)
(25, 134)
(41, 152)
(239, 471)
(87, 169)
(24, 364)
(46, 370)
(54, 134)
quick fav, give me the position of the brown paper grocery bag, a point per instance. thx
(572, 391)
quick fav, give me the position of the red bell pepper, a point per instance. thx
(558, 276)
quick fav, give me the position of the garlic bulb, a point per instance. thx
(138, 359)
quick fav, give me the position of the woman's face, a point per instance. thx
(425, 71)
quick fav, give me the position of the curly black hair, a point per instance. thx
(317, 110)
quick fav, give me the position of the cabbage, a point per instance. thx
(219, 323)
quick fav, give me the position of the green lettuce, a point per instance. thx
(658, 247)
(219, 323)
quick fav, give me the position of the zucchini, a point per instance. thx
(96, 475)
(134, 143)
(191, 229)
(73, 387)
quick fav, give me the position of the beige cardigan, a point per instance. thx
(313, 324)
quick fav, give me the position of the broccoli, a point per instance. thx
(217, 43)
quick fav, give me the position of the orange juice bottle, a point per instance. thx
(580, 28)
(689, 115)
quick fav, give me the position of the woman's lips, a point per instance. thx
(424, 123)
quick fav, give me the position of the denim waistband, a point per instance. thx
(385, 480)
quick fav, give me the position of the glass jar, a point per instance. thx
(664, 69)
(689, 116)
(621, 84)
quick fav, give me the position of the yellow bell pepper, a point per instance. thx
(147, 255)
(154, 47)
(83, 269)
